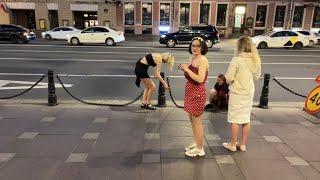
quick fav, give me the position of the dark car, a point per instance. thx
(15, 33)
(184, 36)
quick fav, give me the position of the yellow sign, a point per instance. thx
(312, 104)
(294, 39)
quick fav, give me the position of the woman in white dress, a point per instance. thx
(243, 69)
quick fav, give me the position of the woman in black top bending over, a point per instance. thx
(141, 71)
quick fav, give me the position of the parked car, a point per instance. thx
(318, 37)
(278, 39)
(184, 36)
(59, 33)
(97, 34)
(15, 33)
(311, 36)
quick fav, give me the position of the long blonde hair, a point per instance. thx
(245, 45)
(168, 58)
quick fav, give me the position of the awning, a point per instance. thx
(84, 7)
(52, 6)
(20, 5)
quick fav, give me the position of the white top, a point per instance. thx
(240, 74)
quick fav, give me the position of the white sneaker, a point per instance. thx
(241, 147)
(191, 146)
(229, 146)
(195, 152)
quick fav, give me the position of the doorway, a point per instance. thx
(239, 18)
(85, 19)
(25, 18)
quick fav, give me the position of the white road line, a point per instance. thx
(139, 53)
(133, 76)
(134, 61)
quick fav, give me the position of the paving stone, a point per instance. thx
(212, 137)
(84, 146)
(152, 136)
(153, 120)
(151, 171)
(100, 120)
(266, 169)
(297, 161)
(151, 158)
(91, 136)
(306, 123)
(48, 119)
(77, 157)
(308, 172)
(1, 117)
(28, 135)
(190, 169)
(272, 139)
(151, 146)
(307, 149)
(153, 128)
(316, 165)
(29, 169)
(224, 159)
(4, 157)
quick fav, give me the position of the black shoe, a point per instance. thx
(143, 106)
(150, 106)
(208, 106)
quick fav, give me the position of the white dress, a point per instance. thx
(240, 76)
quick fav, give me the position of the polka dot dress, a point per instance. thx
(195, 94)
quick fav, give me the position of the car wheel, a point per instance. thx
(47, 37)
(262, 45)
(298, 45)
(75, 41)
(15, 39)
(171, 43)
(109, 42)
(209, 43)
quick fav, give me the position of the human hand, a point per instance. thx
(166, 87)
(183, 67)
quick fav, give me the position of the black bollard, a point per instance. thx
(265, 92)
(52, 97)
(161, 94)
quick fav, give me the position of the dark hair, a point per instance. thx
(221, 76)
(203, 45)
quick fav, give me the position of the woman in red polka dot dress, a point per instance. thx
(196, 73)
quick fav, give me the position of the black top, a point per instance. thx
(224, 87)
(150, 60)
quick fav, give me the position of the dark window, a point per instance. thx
(129, 13)
(184, 14)
(278, 34)
(290, 33)
(146, 13)
(57, 29)
(53, 18)
(261, 16)
(222, 15)
(199, 29)
(89, 30)
(316, 17)
(147, 31)
(205, 14)
(99, 29)
(164, 14)
(298, 16)
(304, 32)
(66, 29)
(279, 16)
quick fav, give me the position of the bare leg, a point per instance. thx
(234, 133)
(198, 131)
(192, 125)
(151, 89)
(145, 93)
(245, 133)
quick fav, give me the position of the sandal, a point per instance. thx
(143, 106)
(150, 106)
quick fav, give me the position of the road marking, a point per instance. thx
(129, 76)
(30, 83)
(139, 53)
(134, 61)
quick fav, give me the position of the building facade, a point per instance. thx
(157, 16)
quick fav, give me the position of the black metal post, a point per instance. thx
(161, 94)
(265, 92)
(52, 97)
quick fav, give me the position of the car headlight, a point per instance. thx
(163, 36)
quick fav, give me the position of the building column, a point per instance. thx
(138, 27)
(41, 12)
(270, 18)
(308, 17)
(213, 13)
(176, 16)
(155, 17)
(119, 17)
(230, 17)
(65, 13)
(4, 16)
(195, 10)
(107, 13)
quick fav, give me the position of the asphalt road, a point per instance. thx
(98, 72)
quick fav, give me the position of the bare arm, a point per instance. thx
(203, 66)
(158, 62)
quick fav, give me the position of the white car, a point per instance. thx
(311, 36)
(97, 34)
(285, 38)
(59, 33)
